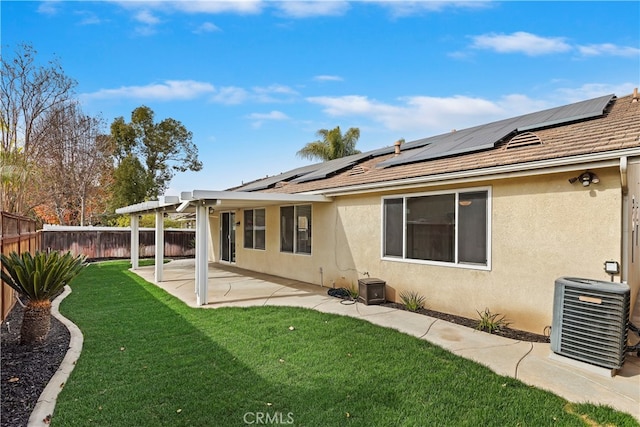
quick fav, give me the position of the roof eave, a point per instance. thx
(540, 167)
(221, 200)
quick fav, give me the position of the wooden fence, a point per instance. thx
(115, 243)
(18, 234)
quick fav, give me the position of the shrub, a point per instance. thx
(490, 322)
(38, 279)
(354, 292)
(412, 300)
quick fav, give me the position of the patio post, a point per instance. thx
(202, 256)
(159, 245)
(135, 241)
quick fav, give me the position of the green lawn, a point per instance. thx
(150, 360)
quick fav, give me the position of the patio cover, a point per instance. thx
(200, 202)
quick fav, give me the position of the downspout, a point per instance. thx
(624, 187)
(623, 175)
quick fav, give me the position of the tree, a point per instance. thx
(131, 183)
(333, 144)
(78, 157)
(162, 148)
(28, 91)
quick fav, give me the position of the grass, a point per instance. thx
(150, 360)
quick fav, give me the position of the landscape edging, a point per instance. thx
(43, 410)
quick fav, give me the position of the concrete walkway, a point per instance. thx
(532, 363)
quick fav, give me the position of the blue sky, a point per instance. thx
(255, 80)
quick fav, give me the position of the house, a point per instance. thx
(485, 217)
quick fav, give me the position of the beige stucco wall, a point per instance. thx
(542, 228)
(295, 266)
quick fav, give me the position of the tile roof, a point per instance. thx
(618, 128)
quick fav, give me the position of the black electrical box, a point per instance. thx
(371, 291)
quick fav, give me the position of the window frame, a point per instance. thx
(254, 229)
(296, 229)
(455, 263)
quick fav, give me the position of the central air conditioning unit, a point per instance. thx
(590, 321)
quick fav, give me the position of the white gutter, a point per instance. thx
(542, 167)
(258, 196)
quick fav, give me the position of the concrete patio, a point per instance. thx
(532, 363)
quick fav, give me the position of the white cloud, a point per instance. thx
(166, 91)
(426, 115)
(408, 8)
(49, 7)
(307, 9)
(274, 93)
(594, 90)
(429, 115)
(219, 6)
(237, 95)
(207, 27)
(609, 49)
(230, 95)
(273, 115)
(202, 6)
(146, 17)
(521, 42)
(260, 118)
(327, 78)
(88, 18)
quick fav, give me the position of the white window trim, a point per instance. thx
(456, 264)
(295, 242)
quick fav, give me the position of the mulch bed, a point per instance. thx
(473, 323)
(26, 370)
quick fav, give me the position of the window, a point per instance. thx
(254, 229)
(295, 229)
(442, 227)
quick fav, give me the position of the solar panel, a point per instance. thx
(484, 137)
(330, 167)
(273, 180)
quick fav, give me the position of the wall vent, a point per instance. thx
(358, 170)
(590, 321)
(524, 139)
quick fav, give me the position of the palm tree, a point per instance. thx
(333, 145)
(38, 279)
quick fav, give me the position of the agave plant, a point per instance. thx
(38, 279)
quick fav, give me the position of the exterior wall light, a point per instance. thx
(612, 268)
(587, 178)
